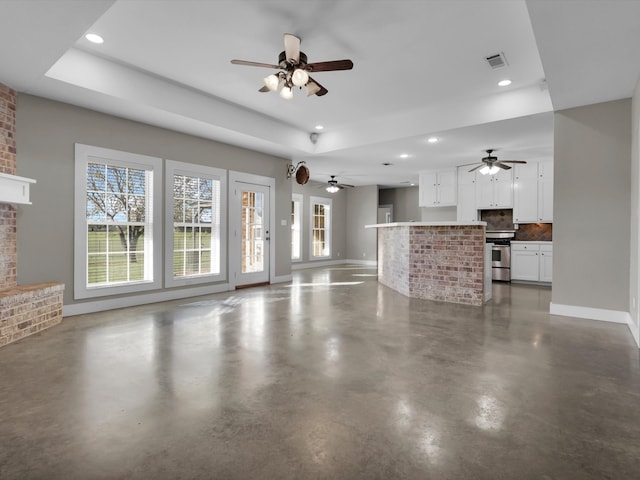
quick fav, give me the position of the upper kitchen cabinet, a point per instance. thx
(438, 189)
(533, 192)
(467, 210)
(545, 191)
(495, 191)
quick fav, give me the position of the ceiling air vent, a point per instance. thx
(497, 61)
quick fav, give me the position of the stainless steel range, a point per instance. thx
(501, 253)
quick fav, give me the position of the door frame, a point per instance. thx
(234, 223)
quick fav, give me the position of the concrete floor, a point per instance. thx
(323, 379)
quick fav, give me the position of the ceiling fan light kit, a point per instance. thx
(294, 70)
(491, 165)
(334, 187)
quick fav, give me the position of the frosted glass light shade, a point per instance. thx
(300, 77)
(286, 93)
(332, 189)
(271, 82)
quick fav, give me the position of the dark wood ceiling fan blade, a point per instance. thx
(254, 64)
(330, 66)
(345, 185)
(292, 47)
(314, 88)
(502, 165)
(264, 89)
(513, 161)
(476, 167)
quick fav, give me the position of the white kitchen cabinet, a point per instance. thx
(533, 192)
(467, 210)
(438, 188)
(546, 263)
(532, 261)
(494, 191)
(545, 192)
(525, 193)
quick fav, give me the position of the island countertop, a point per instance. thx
(428, 224)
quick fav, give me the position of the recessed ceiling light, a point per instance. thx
(404, 155)
(433, 140)
(94, 38)
(319, 127)
(504, 83)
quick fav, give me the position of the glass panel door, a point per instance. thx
(253, 233)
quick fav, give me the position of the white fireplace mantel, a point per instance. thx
(14, 189)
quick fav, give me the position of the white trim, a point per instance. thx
(282, 279)
(634, 330)
(135, 300)
(298, 198)
(601, 314)
(83, 155)
(369, 263)
(328, 263)
(234, 252)
(216, 174)
(328, 227)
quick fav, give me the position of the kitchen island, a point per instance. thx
(444, 261)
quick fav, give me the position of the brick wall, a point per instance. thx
(8, 272)
(24, 310)
(443, 263)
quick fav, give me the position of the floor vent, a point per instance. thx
(497, 61)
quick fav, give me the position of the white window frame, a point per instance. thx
(298, 199)
(193, 170)
(313, 201)
(85, 154)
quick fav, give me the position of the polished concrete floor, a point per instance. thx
(331, 377)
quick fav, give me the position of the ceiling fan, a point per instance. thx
(294, 70)
(491, 165)
(333, 185)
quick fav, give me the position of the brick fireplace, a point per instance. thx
(24, 309)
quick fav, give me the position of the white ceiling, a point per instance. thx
(420, 70)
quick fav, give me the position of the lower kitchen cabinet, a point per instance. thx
(532, 261)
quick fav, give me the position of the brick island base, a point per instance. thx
(442, 261)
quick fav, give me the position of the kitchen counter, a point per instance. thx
(444, 261)
(427, 224)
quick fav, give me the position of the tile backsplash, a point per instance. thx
(503, 220)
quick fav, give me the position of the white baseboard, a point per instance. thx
(317, 263)
(132, 301)
(369, 263)
(634, 331)
(282, 279)
(604, 315)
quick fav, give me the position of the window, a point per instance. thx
(195, 207)
(116, 222)
(296, 227)
(320, 227)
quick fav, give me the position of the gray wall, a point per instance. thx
(404, 201)
(362, 209)
(338, 219)
(592, 196)
(46, 134)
